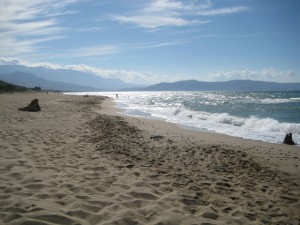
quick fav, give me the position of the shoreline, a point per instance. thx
(79, 162)
(185, 127)
(249, 125)
(279, 158)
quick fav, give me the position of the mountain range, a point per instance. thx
(72, 80)
(60, 79)
(233, 85)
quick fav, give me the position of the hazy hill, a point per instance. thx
(29, 80)
(234, 85)
(71, 80)
(70, 77)
(7, 87)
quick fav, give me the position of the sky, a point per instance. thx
(151, 41)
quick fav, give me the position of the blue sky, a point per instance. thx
(150, 41)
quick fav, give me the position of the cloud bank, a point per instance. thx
(134, 77)
(267, 74)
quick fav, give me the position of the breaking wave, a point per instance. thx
(265, 116)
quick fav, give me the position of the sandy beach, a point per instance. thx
(79, 161)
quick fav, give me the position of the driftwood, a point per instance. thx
(32, 107)
(289, 139)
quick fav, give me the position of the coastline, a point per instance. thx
(82, 163)
(249, 115)
(277, 155)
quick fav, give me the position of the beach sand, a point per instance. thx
(78, 161)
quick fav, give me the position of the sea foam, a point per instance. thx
(265, 116)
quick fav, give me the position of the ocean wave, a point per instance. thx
(250, 123)
(222, 121)
(243, 115)
(265, 129)
(279, 100)
(271, 125)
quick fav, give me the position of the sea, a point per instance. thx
(265, 116)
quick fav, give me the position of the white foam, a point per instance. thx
(265, 129)
(169, 106)
(279, 100)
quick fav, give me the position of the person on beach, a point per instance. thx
(117, 96)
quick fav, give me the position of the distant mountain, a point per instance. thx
(72, 80)
(69, 76)
(233, 85)
(30, 81)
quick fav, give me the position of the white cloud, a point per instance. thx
(155, 21)
(24, 24)
(127, 76)
(135, 77)
(223, 11)
(162, 13)
(177, 5)
(18, 10)
(17, 61)
(267, 74)
(164, 6)
(10, 61)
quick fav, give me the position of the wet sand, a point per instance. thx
(78, 161)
